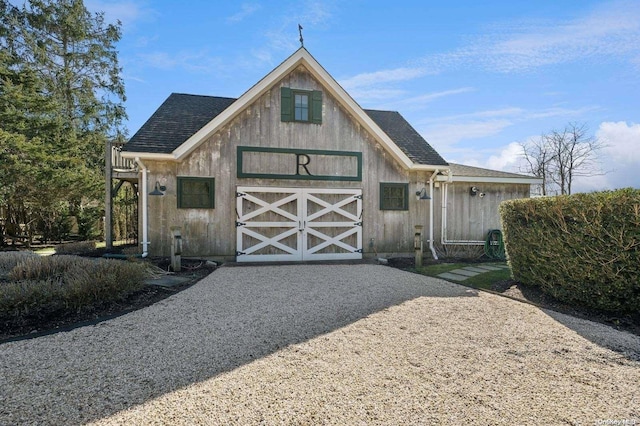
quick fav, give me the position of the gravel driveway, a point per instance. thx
(319, 344)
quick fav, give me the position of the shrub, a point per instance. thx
(9, 259)
(89, 222)
(81, 247)
(582, 249)
(71, 283)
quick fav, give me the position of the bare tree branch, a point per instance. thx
(560, 156)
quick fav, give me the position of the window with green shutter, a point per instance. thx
(304, 106)
(196, 192)
(394, 196)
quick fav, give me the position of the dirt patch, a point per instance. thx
(55, 321)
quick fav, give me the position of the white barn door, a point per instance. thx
(289, 224)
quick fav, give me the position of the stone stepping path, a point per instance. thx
(462, 274)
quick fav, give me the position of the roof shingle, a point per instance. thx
(176, 120)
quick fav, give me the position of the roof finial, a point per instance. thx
(301, 39)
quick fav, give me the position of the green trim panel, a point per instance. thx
(242, 174)
(197, 202)
(385, 202)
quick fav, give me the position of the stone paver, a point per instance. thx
(488, 267)
(452, 276)
(473, 269)
(465, 272)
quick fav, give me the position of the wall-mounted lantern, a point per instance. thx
(422, 194)
(474, 190)
(158, 190)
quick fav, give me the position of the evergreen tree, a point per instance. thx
(61, 97)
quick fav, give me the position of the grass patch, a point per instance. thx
(487, 279)
(483, 280)
(439, 268)
(80, 247)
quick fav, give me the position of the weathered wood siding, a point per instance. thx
(470, 218)
(213, 233)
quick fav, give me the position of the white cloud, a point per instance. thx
(282, 35)
(620, 158)
(609, 31)
(200, 62)
(126, 11)
(363, 95)
(247, 9)
(508, 159)
(622, 142)
(422, 100)
(379, 77)
(443, 136)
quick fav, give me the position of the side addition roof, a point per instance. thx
(462, 173)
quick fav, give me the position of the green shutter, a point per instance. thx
(196, 192)
(316, 107)
(286, 104)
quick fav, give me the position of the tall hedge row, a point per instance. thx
(583, 249)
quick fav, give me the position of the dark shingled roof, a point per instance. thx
(175, 121)
(181, 116)
(406, 137)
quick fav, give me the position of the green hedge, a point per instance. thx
(583, 249)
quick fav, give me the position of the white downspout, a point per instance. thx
(145, 218)
(431, 247)
(445, 200)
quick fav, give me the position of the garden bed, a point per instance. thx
(55, 320)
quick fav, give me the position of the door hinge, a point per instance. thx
(358, 251)
(240, 253)
(358, 224)
(240, 224)
(358, 197)
(240, 194)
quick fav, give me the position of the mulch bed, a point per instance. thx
(534, 295)
(55, 321)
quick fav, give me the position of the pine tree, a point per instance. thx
(61, 97)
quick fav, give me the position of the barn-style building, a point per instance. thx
(295, 170)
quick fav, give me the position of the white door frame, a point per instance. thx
(302, 223)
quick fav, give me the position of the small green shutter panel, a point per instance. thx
(286, 104)
(316, 107)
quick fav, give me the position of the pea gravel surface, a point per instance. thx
(325, 344)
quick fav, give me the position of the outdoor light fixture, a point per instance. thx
(158, 189)
(474, 190)
(422, 194)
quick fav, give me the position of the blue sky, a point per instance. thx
(474, 78)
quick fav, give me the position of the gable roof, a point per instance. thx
(180, 116)
(462, 173)
(300, 57)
